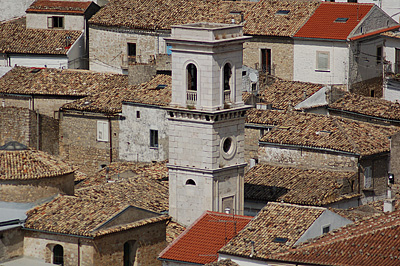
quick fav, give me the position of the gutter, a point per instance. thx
(56, 233)
(364, 115)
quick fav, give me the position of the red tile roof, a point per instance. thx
(45, 6)
(375, 33)
(201, 241)
(322, 23)
(369, 242)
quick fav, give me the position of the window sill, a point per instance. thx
(102, 140)
(368, 189)
(154, 148)
(320, 70)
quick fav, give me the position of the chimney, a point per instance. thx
(388, 204)
(252, 249)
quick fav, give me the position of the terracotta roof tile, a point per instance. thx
(66, 82)
(30, 164)
(283, 94)
(174, 229)
(333, 133)
(80, 216)
(373, 241)
(370, 106)
(322, 23)
(144, 186)
(297, 186)
(16, 38)
(74, 7)
(275, 220)
(392, 34)
(226, 262)
(110, 101)
(201, 241)
(381, 31)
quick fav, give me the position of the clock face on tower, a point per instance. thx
(228, 147)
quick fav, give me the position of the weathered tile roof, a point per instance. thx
(392, 34)
(358, 213)
(74, 7)
(226, 262)
(264, 20)
(322, 23)
(272, 118)
(297, 186)
(144, 186)
(275, 220)
(284, 94)
(370, 106)
(373, 241)
(110, 101)
(16, 38)
(30, 164)
(161, 14)
(61, 82)
(331, 133)
(80, 216)
(261, 17)
(201, 241)
(174, 229)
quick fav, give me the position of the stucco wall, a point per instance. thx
(134, 140)
(11, 243)
(305, 62)
(39, 21)
(14, 8)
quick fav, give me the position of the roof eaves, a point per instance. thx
(373, 33)
(363, 115)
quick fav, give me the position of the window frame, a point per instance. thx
(53, 20)
(379, 54)
(154, 139)
(318, 63)
(103, 131)
(58, 255)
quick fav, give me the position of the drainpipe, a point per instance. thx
(79, 252)
(37, 129)
(110, 137)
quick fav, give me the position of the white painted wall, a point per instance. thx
(11, 9)
(39, 21)
(76, 53)
(29, 60)
(305, 61)
(134, 137)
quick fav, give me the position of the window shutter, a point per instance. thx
(102, 131)
(367, 177)
(49, 22)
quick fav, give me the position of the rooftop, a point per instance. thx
(373, 241)
(16, 38)
(60, 82)
(201, 241)
(275, 221)
(298, 186)
(284, 94)
(370, 106)
(27, 164)
(330, 133)
(334, 20)
(82, 217)
(74, 7)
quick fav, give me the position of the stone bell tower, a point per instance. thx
(206, 121)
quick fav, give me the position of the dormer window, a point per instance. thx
(282, 12)
(55, 22)
(341, 20)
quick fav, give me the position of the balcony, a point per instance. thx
(127, 60)
(227, 96)
(191, 98)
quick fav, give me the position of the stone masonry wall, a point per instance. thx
(251, 137)
(379, 166)
(395, 157)
(281, 55)
(17, 124)
(11, 243)
(33, 190)
(79, 144)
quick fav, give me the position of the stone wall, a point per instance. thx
(370, 87)
(11, 243)
(79, 144)
(37, 189)
(48, 134)
(18, 124)
(281, 54)
(379, 165)
(395, 157)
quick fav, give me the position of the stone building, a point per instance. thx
(206, 120)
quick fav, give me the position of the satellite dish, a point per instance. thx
(253, 77)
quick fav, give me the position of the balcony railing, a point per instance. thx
(227, 96)
(126, 60)
(191, 97)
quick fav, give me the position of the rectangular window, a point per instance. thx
(153, 138)
(266, 61)
(379, 54)
(169, 51)
(368, 177)
(137, 114)
(397, 59)
(55, 22)
(102, 131)
(323, 61)
(326, 229)
(131, 52)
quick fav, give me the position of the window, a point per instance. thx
(102, 131)
(130, 248)
(227, 204)
(191, 77)
(397, 60)
(137, 114)
(153, 138)
(342, 20)
(379, 54)
(58, 255)
(131, 52)
(55, 22)
(190, 182)
(368, 177)
(266, 61)
(326, 229)
(372, 93)
(351, 1)
(227, 77)
(322, 61)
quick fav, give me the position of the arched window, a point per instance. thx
(227, 77)
(190, 182)
(58, 255)
(129, 253)
(191, 77)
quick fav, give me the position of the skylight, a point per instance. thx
(160, 86)
(342, 20)
(282, 12)
(280, 240)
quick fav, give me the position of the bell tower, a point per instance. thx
(206, 121)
